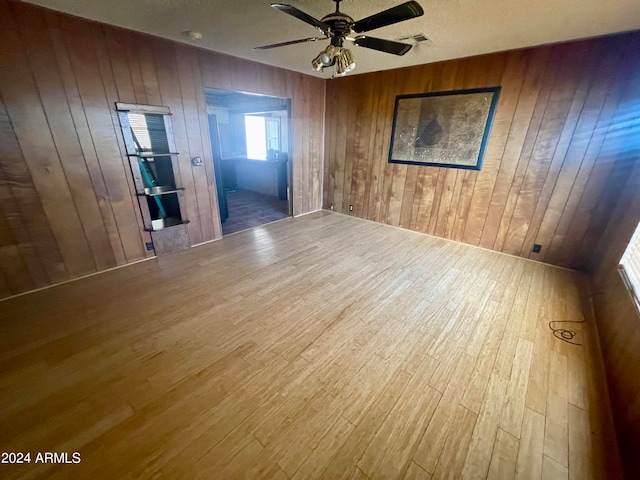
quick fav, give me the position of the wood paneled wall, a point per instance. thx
(547, 173)
(619, 328)
(617, 317)
(67, 205)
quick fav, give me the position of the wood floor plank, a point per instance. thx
(556, 445)
(517, 389)
(516, 319)
(445, 418)
(454, 452)
(358, 474)
(484, 435)
(414, 472)
(539, 372)
(579, 444)
(391, 450)
(343, 462)
(552, 470)
(487, 343)
(503, 459)
(330, 443)
(324, 346)
(530, 451)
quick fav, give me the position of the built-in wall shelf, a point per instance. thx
(160, 190)
(153, 159)
(152, 154)
(162, 223)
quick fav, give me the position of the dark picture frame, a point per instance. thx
(443, 129)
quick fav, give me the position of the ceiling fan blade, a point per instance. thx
(292, 42)
(300, 15)
(388, 46)
(400, 13)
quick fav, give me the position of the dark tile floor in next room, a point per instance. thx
(249, 209)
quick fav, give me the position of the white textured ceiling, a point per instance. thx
(456, 28)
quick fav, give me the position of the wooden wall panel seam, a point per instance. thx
(58, 115)
(87, 145)
(192, 123)
(538, 153)
(206, 148)
(119, 92)
(510, 164)
(105, 65)
(559, 158)
(574, 200)
(16, 82)
(19, 222)
(169, 86)
(518, 59)
(576, 153)
(15, 272)
(83, 54)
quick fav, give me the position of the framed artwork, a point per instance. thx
(443, 129)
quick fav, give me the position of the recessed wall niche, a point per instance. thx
(152, 155)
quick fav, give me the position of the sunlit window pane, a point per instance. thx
(630, 267)
(256, 137)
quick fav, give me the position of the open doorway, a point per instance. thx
(250, 139)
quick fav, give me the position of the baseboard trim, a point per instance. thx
(57, 284)
(455, 241)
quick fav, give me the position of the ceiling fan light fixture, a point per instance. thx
(348, 58)
(317, 64)
(328, 55)
(326, 58)
(344, 62)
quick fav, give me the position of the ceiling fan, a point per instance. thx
(338, 27)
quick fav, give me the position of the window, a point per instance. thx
(630, 267)
(273, 133)
(149, 132)
(256, 132)
(262, 135)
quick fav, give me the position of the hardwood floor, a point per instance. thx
(318, 347)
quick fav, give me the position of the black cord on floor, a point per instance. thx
(565, 334)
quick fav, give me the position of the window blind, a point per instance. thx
(150, 131)
(629, 267)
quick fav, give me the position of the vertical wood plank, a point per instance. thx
(56, 108)
(84, 136)
(24, 217)
(110, 90)
(15, 276)
(169, 83)
(79, 43)
(23, 104)
(193, 136)
(213, 208)
(524, 72)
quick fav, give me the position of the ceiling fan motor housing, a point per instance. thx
(339, 24)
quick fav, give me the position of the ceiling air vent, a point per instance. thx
(416, 38)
